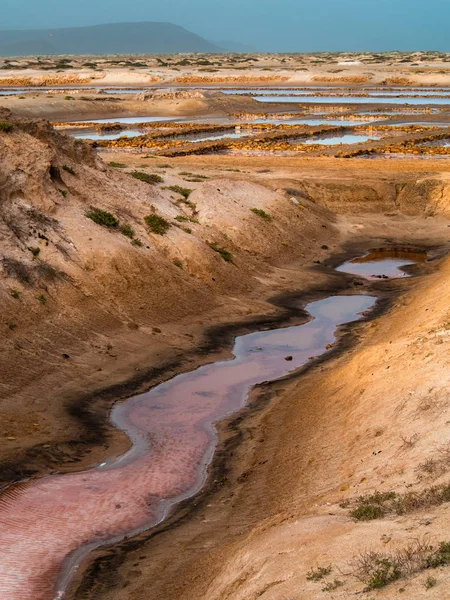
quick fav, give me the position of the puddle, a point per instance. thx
(48, 525)
(342, 139)
(86, 133)
(132, 120)
(420, 123)
(353, 100)
(444, 143)
(313, 122)
(201, 137)
(382, 264)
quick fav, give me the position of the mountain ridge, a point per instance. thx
(114, 38)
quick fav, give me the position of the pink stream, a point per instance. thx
(43, 521)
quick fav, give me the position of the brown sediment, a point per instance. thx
(355, 79)
(49, 80)
(202, 79)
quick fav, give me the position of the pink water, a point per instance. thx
(47, 525)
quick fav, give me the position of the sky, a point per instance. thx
(266, 25)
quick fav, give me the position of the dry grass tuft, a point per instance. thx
(378, 569)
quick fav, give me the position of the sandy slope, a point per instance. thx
(361, 423)
(115, 312)
(90, 294)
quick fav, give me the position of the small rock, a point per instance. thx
(324, 247)
(328, 346)
(289, 358)
(65, 356)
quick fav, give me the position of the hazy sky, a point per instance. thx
(273, 25)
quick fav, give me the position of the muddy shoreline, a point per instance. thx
(103, 562)
(92, 410)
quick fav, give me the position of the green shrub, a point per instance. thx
(137, 242)
(42, 299)
(16, 294)
(187, 229)
(185, 192)
(117, 165)
(12, 326)
(385, 572)
(35, 251)
(261, 213)
(368, 512)
(102, 217)
(127, 230)
(430, 582)
(441, 557)
(319, 573)
(157, 224)
(181, 218)
(225, 254)
(192, 176)
(68, 169)
(5, 126)
(178, 264)
(331, 586)
(151, 178)
(378, 569)
(62, 192)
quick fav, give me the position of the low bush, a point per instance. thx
(224, 253)
(157, 224)
(5, 126)
(102, 217)
(261, 213)
(68, 169)
(376, 506)
(127, 230)
(319, 573)
(35, 251)
(378, 569)
(430, 582)
(151, 178)
(331, 586)
(116, 165)
(185, 192)
(368, 512)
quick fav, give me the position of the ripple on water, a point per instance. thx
(45, 521)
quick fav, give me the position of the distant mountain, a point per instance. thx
(115, 38)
